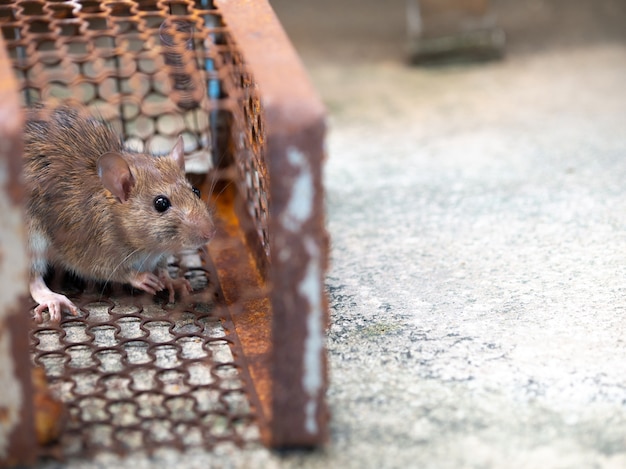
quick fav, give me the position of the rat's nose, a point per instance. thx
(206, 230)
(209, 234)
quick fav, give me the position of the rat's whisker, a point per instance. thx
(108, 279)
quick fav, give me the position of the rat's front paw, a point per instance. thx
(173, 284)
(147, 282)
(55, 303)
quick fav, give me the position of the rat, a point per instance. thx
(101, 211)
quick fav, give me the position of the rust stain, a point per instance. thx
(23, 448)
(4, 415)
(245, 293)
(11, 122)
(49, 411)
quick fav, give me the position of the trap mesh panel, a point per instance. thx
(222, 75)
(148, 67)
(137, 374)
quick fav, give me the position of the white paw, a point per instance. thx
(55, 303)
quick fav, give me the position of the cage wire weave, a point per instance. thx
(133, 372)
(153, 69)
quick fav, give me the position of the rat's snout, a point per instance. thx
(205, 229)
(199, 227)
(208, 234)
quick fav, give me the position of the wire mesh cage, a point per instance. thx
(242, 359)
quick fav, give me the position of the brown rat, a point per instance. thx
(101, 211)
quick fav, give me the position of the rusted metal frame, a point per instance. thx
(18, 444)
(235, 248)
(295, 128)
(245, 299)
(252, 362)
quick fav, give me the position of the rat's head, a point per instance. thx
(158, 208)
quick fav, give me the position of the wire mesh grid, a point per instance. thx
(134, 372)
(137, 373)
(153, 69)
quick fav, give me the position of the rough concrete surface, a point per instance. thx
(478, 279)
(479, 276)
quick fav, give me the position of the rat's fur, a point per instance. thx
(75, 222)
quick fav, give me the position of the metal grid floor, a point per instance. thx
(137, 373)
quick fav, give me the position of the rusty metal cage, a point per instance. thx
(243, 358)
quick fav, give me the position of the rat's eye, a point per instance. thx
(161, 203)
(196, 191)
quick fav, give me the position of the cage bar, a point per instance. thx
(17, 432)
(294, 133)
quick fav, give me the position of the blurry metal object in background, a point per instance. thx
(449, 30)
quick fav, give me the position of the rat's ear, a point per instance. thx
(115, 175)
(178, 153)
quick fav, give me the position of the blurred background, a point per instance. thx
(370, 30)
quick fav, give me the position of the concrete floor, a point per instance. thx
(479, 276)
(478, 280)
